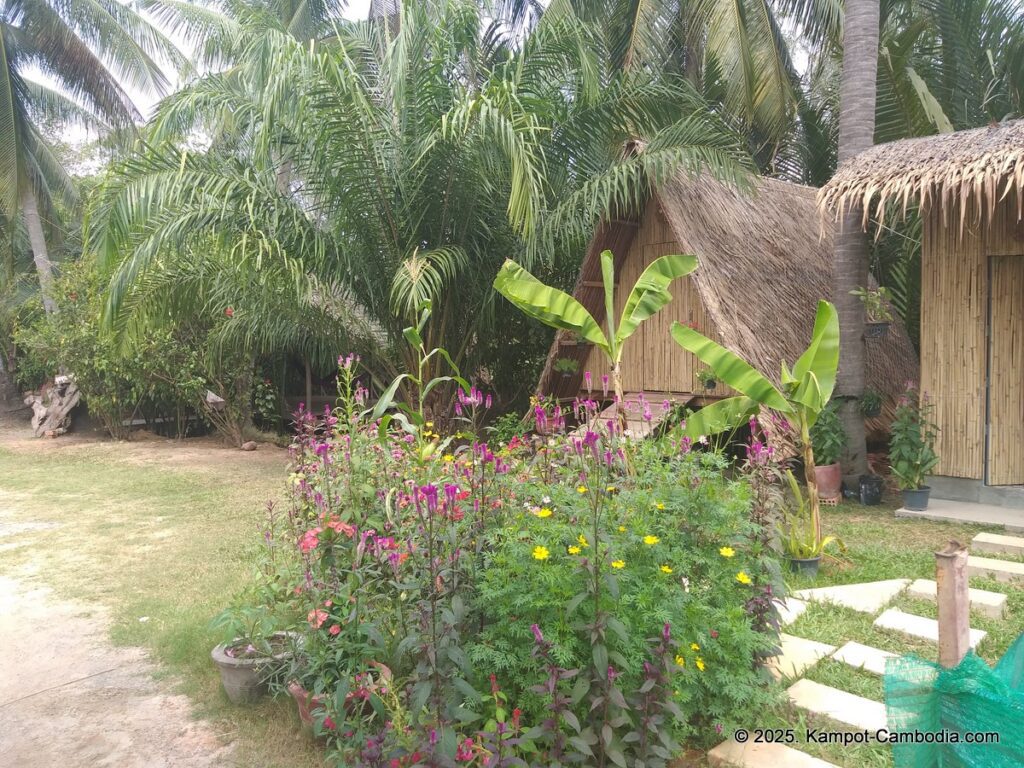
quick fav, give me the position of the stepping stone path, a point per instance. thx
(991, 604)
(750, 755)
(1000, 570)
(998, 544)
(870, 597)
(798, 655)
(919, 626)
(845, 708)
(863, 657)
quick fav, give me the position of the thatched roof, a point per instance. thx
(764, 264)
(965, 171)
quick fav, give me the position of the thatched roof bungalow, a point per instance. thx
(763, 267)
(969, 189)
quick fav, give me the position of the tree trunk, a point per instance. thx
(856, 133)
(36, 238)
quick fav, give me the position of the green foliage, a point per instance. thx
(827, 436)
(912, 440)
(870, 403)
(800, 540)
(876, 303)
(507, 427)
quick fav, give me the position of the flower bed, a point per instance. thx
(581, 599)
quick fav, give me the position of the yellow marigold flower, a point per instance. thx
(574, 550)
(727, 551)
(650, 541)
(742, 578)
(541, 553)
(618, 563)
(622, 529)
(694, 647)
(448, 458)
(666, 569)
(658, 505)
(581, 489)
(543, 512)
(680, 661)
(611, 489)
(700, 663)
(583, 541)
(428, 424)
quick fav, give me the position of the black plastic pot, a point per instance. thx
(916, 499)
(872, 411)
(807, 566)
(871, 487)
(875, 330)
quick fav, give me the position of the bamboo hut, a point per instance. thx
(763, 268)
(969, 188)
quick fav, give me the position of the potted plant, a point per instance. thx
(828, 440)
(707, 378)
(912, 448)
(801, 543)
(870, 404)
(566, 367)
(252, 656)
(876, 307)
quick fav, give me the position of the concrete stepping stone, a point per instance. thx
(1000, 570)
(749, 755)
(863, 657)
(798, 655)
(919, 626)
(991, 604)
(998, 543)
(790, 610)
(868, 597)
(846, 708)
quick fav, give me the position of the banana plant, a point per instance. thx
(805, 390)
(560, 310)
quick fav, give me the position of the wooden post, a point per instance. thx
(954, 603)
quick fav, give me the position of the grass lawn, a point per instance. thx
(168, 531)
(159, 530)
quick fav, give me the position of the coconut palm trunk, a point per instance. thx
(856, 133)
(37, 240)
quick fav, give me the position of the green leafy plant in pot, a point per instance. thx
(876, 307)
(828, 439)
(801, 543)
(912, 447)
(566, 366)
(870, 404)
(253, 655)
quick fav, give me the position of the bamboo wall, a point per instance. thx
(653, 362)
(954, 324)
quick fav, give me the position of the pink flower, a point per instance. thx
(329, 724)
(335, 630)
(317, 617)
(310, 539)
(340, 527)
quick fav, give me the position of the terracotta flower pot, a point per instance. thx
(830, 481)
(306, 702)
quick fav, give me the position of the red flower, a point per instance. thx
(229, 312)
(317, 617)
(714, 634)
(329, 724)
(335, 629)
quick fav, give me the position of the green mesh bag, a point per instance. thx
(922, 698)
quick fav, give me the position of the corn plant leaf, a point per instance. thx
(650, 292)
(719, 417)
(822, 355)
(730, 368)
(546, 304)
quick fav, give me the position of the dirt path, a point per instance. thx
(69, 698)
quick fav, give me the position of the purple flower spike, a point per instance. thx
(537, 635)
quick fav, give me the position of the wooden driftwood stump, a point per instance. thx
(52, 406)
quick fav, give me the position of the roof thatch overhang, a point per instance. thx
(967, 173)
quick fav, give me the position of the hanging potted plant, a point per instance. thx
(828, 440)
(802, 544)
(706, 378)
(876, 309)
(870, 404)
(566, 367)
(912, 448)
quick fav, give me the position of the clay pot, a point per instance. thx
(306, 702)
(830, 481)
(245, 677)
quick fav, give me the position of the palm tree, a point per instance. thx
(856, 133)
(420, 162)
(90, 52)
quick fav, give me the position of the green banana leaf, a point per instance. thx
(731, 369)
(546, 304)
(650, 292)
(719, 416)
(822, 355)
